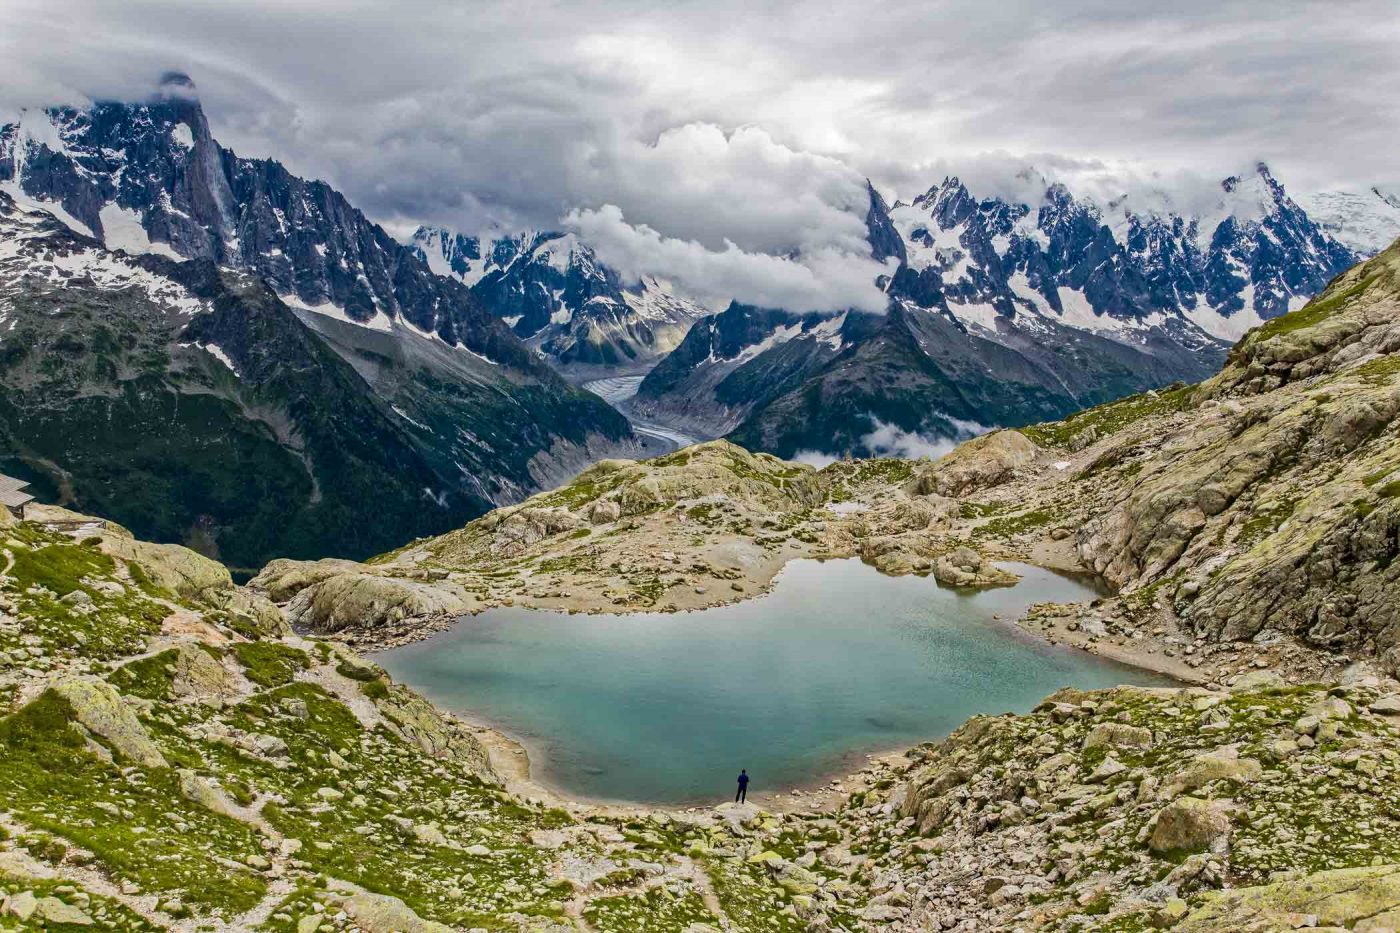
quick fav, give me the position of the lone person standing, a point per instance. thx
(742, 794)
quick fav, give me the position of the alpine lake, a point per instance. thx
(837, 662)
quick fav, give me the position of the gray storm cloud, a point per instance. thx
(734, 138)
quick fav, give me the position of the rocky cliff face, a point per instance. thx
(1277, 514)
(554, 294)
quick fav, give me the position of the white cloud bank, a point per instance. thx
(719, 122)
(822, 279)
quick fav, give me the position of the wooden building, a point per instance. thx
(13, 496)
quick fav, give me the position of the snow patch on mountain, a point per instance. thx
(1366, 221)
(122, 229)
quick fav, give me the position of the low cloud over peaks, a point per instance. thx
(825, 278)
(734, 138)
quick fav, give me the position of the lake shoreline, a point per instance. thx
(514, 754)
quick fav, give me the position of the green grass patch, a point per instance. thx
(270, 664)
(1111, 417)
(134, 820)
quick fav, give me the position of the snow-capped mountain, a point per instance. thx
(555, 294)
(1114, 269)
(1365, 222)
(1002, 313)
(149, 177)
(487, 419)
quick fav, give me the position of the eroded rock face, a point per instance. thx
(282, 579)
(978, 464)
(1272, 506)
(366, 600)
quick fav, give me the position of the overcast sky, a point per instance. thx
(722, 138)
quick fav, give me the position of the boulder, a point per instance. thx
(99, 708)
(198, 674)
(24, 904)
(368, 601)
(201, 791)
(55, 911)
(604, 512)
(1189, 824)
(1386, 705)
(1223, 764)
(981, 463)
(1120, 735)
(381, 913)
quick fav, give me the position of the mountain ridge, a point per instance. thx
(1086, 303)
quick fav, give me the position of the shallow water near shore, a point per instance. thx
(838, 661)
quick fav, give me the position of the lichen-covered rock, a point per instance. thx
(977, 464)
(203, 792)
(381, 913)
(1274, 495)
(1223, 764)
(198, 674)
(1358, 899)
(521, 528)
(54, 911)
(99, 708)
(1117, 734)
(282, 579)
(1189, 824)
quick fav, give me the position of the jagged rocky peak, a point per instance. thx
(1130, 263)
(885, 241)
(148, 177)
(552, 291)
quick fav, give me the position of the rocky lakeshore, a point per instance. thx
(177, 752)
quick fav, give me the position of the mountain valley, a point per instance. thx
(177, 755)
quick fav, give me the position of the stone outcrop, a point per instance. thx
(421, 723)
(99, 709)
(986, 461)
(368, 601)
(1366, 900)
(1271, 506)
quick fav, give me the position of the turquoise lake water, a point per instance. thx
(838, 661)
